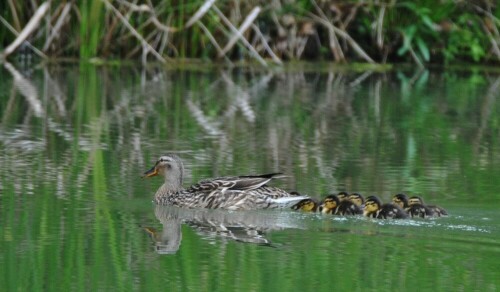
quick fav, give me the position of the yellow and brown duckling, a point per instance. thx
(415, 207)
(343, 196)
(416, 210)
(413, 210)
(431, 210)
(401, 200)
(306, 205)
(375, 209)
(332, 204)
(357, 199)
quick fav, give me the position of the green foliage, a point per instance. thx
(415, 35)
(423, 31)
(466, 40)
(91, 28)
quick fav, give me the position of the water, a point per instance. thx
(75, 214)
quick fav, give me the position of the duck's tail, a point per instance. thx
(288, 202)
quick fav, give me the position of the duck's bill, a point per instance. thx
(151, 172)
(150, 230)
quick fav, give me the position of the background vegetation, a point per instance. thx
(419, 31)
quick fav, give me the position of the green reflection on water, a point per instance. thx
(75, 141)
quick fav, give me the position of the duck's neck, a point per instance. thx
(171, 185)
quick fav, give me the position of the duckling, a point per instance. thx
(333, 205)
(375, 209)
(357, 199)
(414, 210)
(401, 200)
(306, 205)
(343, 196)
(430, 210)
(329, 204)
(372, 207)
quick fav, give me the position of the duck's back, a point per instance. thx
(242, 183)
(264, 197)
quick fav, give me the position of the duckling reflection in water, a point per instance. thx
(332, 204)
(375, 209)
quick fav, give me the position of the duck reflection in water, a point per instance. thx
(241, 226)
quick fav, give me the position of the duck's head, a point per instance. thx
(343, 196)
(372, 205)
(401, 200)
(169, 166)
(329, 203)
(306, 205)
(357, 199)
(415, 200)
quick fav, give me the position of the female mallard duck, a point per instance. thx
(332, 204)
(414, 210)
(306, 205)
(431, 210)
(375, 209)
(231, 193)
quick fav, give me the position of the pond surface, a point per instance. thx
(75, 214)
